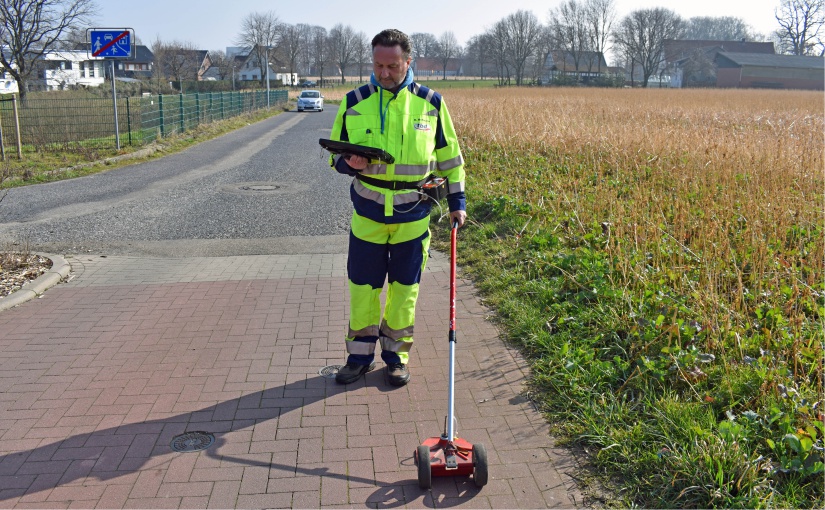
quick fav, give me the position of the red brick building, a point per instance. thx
(752, 70)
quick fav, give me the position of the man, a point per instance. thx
(389, 233)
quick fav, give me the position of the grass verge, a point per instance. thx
(658, 257)
(47, 166)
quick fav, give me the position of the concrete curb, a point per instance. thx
(60, 269)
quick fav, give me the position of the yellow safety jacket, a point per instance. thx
(413, 126)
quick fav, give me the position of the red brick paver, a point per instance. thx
(100, 374)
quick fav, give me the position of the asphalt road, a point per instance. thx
(263, 189)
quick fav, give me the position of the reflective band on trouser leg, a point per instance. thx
(407, 261)
(367, 270)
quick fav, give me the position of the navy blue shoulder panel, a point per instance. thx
(352, 96)
(423, 92)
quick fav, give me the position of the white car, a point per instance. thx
(310, 100)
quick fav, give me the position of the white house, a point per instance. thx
(252, 70)
(70, 68)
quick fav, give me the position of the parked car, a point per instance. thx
(310, 100)
(308, 83)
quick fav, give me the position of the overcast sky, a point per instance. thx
(212, 25)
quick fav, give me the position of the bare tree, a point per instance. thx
(290, 47)
(320, 51)
(363, 53)
(343, 46)
(260, 34)
(522, 31)
(479, 54)
(305, 48)
(424, 45)
(601, 14)
(30, 28)
(800, 26)
(570, 30)
(499, 38)
(450, 49)
(222, 62)
(721, 28)
(178, 60)
(641, 35)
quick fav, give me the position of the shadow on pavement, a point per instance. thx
(118, 451)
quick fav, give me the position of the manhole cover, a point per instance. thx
(329, 371)
(259, 187)
(192, 442)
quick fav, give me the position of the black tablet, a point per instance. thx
(337, 147)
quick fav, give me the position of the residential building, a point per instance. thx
(434, 68)
(691, 62)
(253, 70)
(756, 70)
(64, 69)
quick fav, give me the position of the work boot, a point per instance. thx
(398, 374)
(351, 372)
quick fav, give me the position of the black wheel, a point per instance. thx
(479, 465)
(425, 476)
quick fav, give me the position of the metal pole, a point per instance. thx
(114, 102)
(17, 127)
(267, 77)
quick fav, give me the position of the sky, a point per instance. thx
(212, 25)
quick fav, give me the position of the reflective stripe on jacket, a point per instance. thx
(415, 127)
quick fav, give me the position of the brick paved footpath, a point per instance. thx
(102, 372)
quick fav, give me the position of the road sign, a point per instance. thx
(111, 42)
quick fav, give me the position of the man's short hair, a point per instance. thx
(391, 37)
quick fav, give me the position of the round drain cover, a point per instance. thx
(329, 371)
(192, 442)
(259, 187)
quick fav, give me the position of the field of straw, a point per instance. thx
(659, 255)
(724, 174)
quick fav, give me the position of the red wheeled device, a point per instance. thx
(449, 455)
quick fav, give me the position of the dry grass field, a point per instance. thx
(660, 255)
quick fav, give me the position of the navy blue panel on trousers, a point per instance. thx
(372, 273)
(406, 260)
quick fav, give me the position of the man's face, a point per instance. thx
(389, 65)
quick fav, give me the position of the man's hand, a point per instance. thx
(357, 163)
(458, 216)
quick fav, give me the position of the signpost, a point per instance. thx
(112, 44)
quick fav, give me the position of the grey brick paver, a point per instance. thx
(100, 373)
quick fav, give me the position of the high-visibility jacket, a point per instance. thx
(414, 126)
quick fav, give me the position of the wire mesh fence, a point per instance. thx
(57, 124)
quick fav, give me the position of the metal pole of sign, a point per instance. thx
(114, 102)
(267, 77)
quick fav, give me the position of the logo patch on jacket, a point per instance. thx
(421, 126)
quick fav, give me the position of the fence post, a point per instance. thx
(197, 108)
(17, 127)
(182, 125)
(222, 105)
(2, 144)
(160, 108)
(129, 120)
(211, 111)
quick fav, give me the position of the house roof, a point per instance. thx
(435, 64)
(760, 60)
(677, 49)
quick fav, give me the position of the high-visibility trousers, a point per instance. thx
(379, 252)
